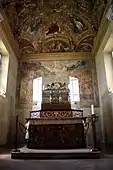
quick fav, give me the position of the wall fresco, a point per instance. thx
(59, 71)
(54, 25)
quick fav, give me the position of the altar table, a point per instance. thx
(56, 133)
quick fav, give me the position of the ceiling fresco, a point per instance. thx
(54, 25)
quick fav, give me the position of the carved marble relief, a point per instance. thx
(54, 25)
(53, 72)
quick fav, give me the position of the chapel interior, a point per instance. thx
(56, 63)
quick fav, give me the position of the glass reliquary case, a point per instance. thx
(55, 93)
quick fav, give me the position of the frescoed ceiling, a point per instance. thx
(54, 25)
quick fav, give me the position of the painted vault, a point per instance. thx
(54, 25)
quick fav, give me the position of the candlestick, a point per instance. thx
(92, 109)
(50, 98)
(43, 87)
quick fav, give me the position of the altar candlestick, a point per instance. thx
(50, 98)
(92, 109)
(43, 87)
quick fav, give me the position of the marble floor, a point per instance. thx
(105, 163)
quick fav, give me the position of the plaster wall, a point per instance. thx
(102, 86)
(104, 69)
(7, 104)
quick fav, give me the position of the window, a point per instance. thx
(37, 92)
(0, 59)
(2, 93)
(74, 90)
(108, 63)
(4, 64)
(112, 54)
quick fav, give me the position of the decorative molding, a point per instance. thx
(105, 23)
(57, 56)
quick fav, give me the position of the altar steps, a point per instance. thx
(26, 153)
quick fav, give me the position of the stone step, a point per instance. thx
(25, 153)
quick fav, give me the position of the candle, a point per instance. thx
(43, 87)
(50, 98)
(92, 109)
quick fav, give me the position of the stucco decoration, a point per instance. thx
(59, 71)
(54, 25)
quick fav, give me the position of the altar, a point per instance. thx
(59, 129)
(56, 125)
(56, 130)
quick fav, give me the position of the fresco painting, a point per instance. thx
(39, 21)
(53, 70)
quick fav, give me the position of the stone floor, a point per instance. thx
(26, 150)
(105, 163)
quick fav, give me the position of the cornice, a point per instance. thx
(57, 56)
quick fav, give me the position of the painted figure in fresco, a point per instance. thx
(53, 47)
(78, 64)
(53, 28)
(35, 24)
(62, 48)
(58, 46)
(77, 25)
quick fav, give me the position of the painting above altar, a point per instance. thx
(55, 75)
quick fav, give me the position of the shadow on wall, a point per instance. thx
(4, 120)
(107, 101)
